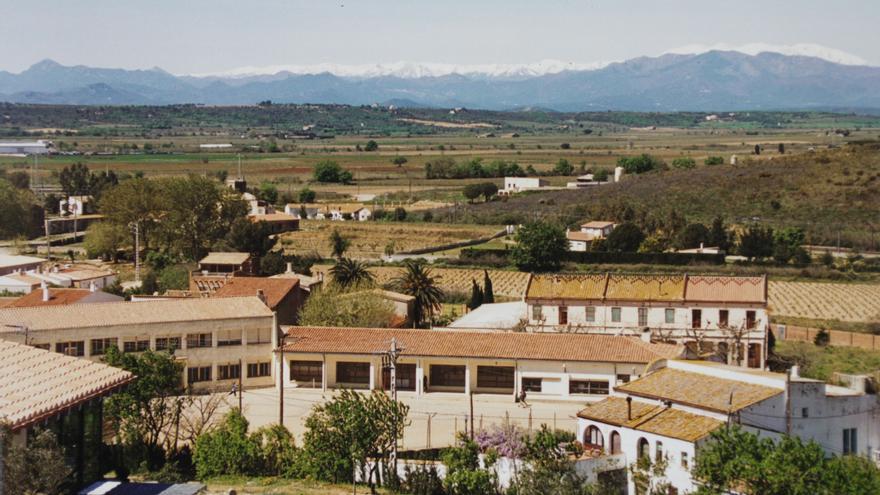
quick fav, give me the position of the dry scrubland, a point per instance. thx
(370, 239)
(827, 301)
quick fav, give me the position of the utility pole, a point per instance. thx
(471, 397)
(135, 226)
(240, 390)
(389, 362)
(281, 380)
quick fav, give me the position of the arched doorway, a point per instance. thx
(643, 448)
(615, 443)
(593, 439)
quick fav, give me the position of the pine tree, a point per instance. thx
(488, 293)
(476, 295)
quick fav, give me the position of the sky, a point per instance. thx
(210, 36)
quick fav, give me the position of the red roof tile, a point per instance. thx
(275, 289)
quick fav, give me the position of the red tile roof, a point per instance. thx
(474, 344)
(275, 289)
(56, 297)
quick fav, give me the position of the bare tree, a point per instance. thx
(736, 335)
(200, 415)
(698, 337)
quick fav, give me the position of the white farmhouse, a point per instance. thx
(717, 317)
(514, 185)
(672, 409)
(590, 231)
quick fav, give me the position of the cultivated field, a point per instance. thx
(369, 240)
(507, 284)
(825, 301)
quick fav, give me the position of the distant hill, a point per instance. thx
(714, 80)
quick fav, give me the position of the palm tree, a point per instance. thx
(416, 281)
(350, 273)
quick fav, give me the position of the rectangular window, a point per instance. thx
(447, 375)
(532, 384)
(77, 348)
(195, 340)
(228, 337)
(696, 318)
(495, 377)
(622, 378)
(167, 343)
(750, 319)
(615, 315)
(358, 373)
(684, 460)
(197, 374)
(228, 371)
(537, 314)
(255, 370)
(723, 317)
(405, 376)
(100, 346)
(137, 345)
(259, 335)
(591, 313)
(310, 373)
(643, 317)
(850, 441)
(805, 412)
(45, 347)
(563, 315)
(670, 315)
(591, 387)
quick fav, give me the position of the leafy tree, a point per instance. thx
(371, 146)
(563, 167)
(50, 203)
(104, 240)
(333, 307)
(476, 296)
(350, 273)
(174, 277)
(247, 236)
(19, 215)
(399, 160)
(639, 164)
(601, 175)
(539, 247)
(143, 411)
(488, 291)
(463, 473)
(756, 242)
(757, 149)
(692, 236)
(306, 195)
(272, 263)
(626, 238)
(416, 281)
(714, 160)
(472, 192)
(268, 192)
(781, 148)
(488, 190)
(137, 201)
(338, 244)
(330, 171)
(822, 338)
(197, 214)
(550, 470)
(227, 450)
(19, 179)
(399, 214)
(719, 235)
(75, 179)
(684, 162)
(38, 468)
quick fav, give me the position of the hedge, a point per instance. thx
(602, 257)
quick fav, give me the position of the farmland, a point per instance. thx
(372, 240)
(825, 301)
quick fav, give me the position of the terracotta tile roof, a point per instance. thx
(35, 384)
(491, 344)
(703, 288)
(56, 297)
(565, 286)
(579, 236)
(648, 287)
(659, 420)
(698, 390)
(596, 224)
(6, 301)
(275, 289)
(225, 259)
(131, 313)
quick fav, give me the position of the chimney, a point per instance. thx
(262, 296)
(794, 371)
(646, 335)
(92, 287)
(289, 267)
(629, 408)
(45, 289)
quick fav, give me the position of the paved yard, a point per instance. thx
(434, 418)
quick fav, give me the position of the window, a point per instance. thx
(593, 437)
(532, 384)
(77, 348)
(358, 373)
(447, 376)
(495, 377)
(259, 335)
(696, 318)
(228, 371)
(615, 443)
(228, 337)
(593, 387)
(537, 314)
(310, 373)
(194, 340)
(100, 346)
(670, 315)
(723, 317)
(805, 412)
(405, 376)
(750, 319)
(684, 460)
(563, 315)
(137, 345)
(255, 370)
(197, 374)
(643, 448)
(167, 343)
(590, 313)
(622, 378)
(658, 452)
(643, 317)
(615, 315)
(850, 441)
(45, 347)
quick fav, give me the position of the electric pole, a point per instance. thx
(389, 362)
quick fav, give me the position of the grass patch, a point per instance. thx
(278, 486)
(821, 363)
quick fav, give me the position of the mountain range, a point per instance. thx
(713, 80)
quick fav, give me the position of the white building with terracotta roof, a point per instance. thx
(580, 240)
(670, 412)
(718, 317)
(544, 365)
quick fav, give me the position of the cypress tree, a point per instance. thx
(476, 295)
(488, 293)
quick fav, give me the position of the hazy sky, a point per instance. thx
(197, 36)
